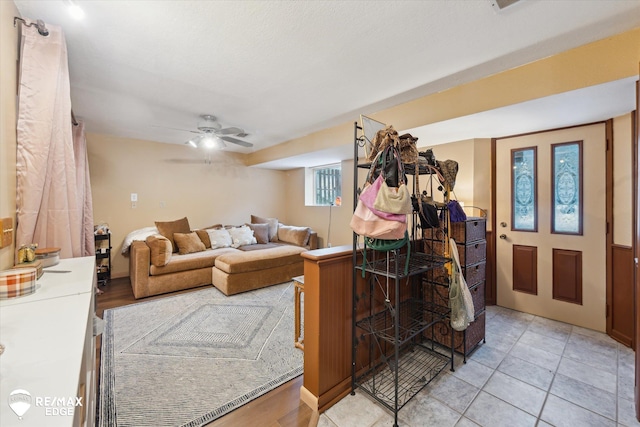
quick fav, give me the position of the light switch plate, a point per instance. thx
(7, 232)
(134, 197)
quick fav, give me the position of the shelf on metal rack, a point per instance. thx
(418, 263)
(417, 368)
(414, 317)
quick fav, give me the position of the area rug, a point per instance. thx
(189, 359)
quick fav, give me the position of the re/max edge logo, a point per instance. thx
(20, 401)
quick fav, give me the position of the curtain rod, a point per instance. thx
(39, 24)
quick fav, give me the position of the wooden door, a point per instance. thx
(544, 266)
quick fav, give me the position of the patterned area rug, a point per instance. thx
(188, 359)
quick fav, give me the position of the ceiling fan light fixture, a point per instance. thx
(213, 142)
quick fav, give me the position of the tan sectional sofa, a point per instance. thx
(155, 269)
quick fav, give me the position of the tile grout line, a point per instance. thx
(481, 389)
(553, 379)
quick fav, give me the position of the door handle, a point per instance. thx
(503, 236)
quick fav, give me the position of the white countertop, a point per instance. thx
(69, 277)
(44, 337)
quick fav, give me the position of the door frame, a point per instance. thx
(636, 241)
(492, 290)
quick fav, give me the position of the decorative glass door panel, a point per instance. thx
(524, 189)
(566, 167)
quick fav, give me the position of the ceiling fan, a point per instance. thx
(213, 136)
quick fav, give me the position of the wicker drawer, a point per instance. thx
(464, 342)
(475, 273)
(439, 295)
(477, 294)
(474, 228)
(471, 253)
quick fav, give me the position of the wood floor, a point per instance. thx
(279, 407)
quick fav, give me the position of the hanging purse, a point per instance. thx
(425, 206)
(427, 212)
(390, 199)
(368, 197)
(384, 245)
(366, 223)
(456, 213)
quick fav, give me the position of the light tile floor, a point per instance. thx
(532, 371)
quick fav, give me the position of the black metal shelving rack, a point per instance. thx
(103, 258)
(391, 318)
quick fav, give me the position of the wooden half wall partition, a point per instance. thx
(328, 308)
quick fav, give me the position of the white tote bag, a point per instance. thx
(460, 300)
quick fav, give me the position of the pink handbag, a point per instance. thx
(368, 197)
(366, 223)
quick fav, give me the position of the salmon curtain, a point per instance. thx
(53, 197)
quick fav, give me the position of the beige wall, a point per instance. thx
(8, 71)
(172, 181)
(622, 180)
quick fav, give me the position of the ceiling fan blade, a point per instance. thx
(237, 141)
(229, 131)
(189, 161)
(182, 130)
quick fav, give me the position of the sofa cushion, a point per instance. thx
(188, 243)
(260, 232)
(204, 235)
(168, 228)
(245, 261)
(160, 250)
(273, 225)
(241, 236)
(219, 238)
(191, 261)
(294, 235)
(260, 246)
(204, 238)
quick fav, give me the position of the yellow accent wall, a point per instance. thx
(8, 85)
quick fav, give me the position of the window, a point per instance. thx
(323, 185)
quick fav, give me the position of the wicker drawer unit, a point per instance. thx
(464, 342)
(475, 273)
(472, 248)
(470, 253)
(468, 231)
(477, 294)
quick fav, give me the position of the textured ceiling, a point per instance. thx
(284, 69)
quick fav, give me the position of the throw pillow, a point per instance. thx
(219, 238)
(168, 228)
(296, 235)
(204, 236)
(273, 225)
(188, 243)
(260, 232)
(161, 250)
(242, 236)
